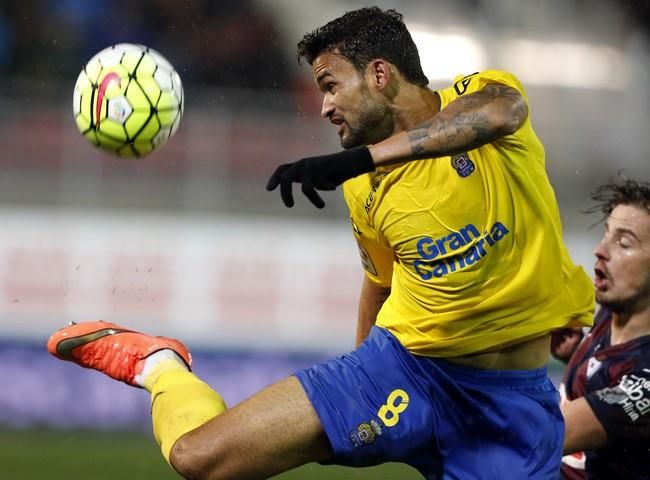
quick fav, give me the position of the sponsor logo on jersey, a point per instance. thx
(365, 433)
(632, 394)
(637, 389)
(437, 257)
(462, 164)
(373, 190)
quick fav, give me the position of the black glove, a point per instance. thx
(323, 173)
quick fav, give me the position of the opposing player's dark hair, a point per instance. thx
(621, 191)
(366, 34)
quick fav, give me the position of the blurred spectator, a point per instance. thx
(6, 41)
(639, 13)
(226, 43)
(232, 43)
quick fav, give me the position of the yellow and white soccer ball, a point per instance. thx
(128, 99)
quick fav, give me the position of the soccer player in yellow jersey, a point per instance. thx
(460, 237)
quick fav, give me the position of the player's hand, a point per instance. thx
(564, 342)
(325, 172)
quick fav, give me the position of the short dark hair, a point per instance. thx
(621, 191)
(364, 35)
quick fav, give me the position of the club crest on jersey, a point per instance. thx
(462, 164)
(365, 433)
(593, 366)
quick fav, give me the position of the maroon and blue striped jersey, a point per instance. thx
(615, 381)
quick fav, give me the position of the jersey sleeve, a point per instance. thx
(477, 81)
(468, 84)
(624, 410)
(376, 259)
(499, 76)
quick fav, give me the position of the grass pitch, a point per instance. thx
(92, 455)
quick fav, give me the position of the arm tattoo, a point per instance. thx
(470, 121)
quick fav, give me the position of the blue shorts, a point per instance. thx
(380, 404)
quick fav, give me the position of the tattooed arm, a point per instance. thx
(467, 123)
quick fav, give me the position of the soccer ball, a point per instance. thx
(128, 99)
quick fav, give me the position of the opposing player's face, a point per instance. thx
(622, 270)
(361, 117)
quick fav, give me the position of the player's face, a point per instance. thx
(622, 270)
(361, 117)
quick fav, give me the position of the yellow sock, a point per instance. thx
(180, 402)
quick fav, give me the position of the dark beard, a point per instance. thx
(373, 125)
(626, 306)
(620, 307)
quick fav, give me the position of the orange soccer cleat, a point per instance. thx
(116, 351)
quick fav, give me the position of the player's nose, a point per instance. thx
(601, 251)
(327, 109)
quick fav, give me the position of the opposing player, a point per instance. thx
(460, 237)
(606, 386)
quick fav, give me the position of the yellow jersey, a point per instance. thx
(470, 244)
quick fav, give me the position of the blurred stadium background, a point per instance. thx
(188, 243)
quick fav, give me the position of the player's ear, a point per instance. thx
(379, 73)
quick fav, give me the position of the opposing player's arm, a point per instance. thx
(468, 122)
(582, 429)
(613, 415)
(372, 298)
